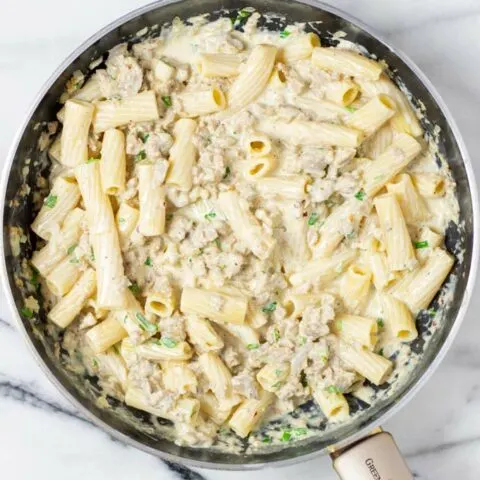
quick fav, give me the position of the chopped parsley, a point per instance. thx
(71, 249)
(169, 216)
(148, 262)
(94, 362)
(92, 160)
(145, 324)
(141, 155)
(217, 243)
(302, 341)
(210, 215)
(227, 172)
(380, 352)
(92, 254)
(351, 109)
(284, 34)
(276, 334)
(286, 436)
(168, 342)
(270, 307)
(431, 312)
(241, 15)
(360, 195)
(267, 439)
(423, 244)
(380, 322)
(34, 278)
(334, 389)
(278, 372)
(51, 201)
(145, 137)
(338, 325)
(134, 288)
(74, 260)
(300, 431)
(121, 220)
(313, 219)
(253, 346)
(26, 312)
(167, 100)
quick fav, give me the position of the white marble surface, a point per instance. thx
(41, 435)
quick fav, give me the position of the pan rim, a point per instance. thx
(396, 407)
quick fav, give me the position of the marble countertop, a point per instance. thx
(43, 437)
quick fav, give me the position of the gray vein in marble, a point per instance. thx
(5, 324)
(443, 447)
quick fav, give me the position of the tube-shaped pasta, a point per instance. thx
(194, 104)
(216, 411)
(392, 161)
(258, 145)
(348, 63)
(254, 77)
(413, 207)
(164, 349)
(105, 334)
(299, 47)
(245, 333)
(398, 318)
(273, 375)
(427, 241)
(297, 252)
(182, 154)
(400, 252)
(218, 375)
(322, 110)
(217, 306)
(295, 304)
(405, 119)
(342, 92)
(278, 79)
(258, 167)
(90, 91)
(292, 187)
(179, 378)
(219, 64)
(353, 328)
(55, 251)
(113, 163)
(249, 414)
(369, 118)
(430, 185)
(126, 220)
(62, 199)
(381, 274)
(332, 404)
(162, 71)
(161, 303)
(356, 286)
(373, 367)
(378, 142)
(55, 150)
(425, 282)
(244, 225)
(302, 132)
(74, 140)
(322, 270)
(111, 282)
(63, 277)
(202, 334)
(151, 197)
(113, 113)
(65, 311)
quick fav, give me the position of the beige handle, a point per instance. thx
(376, 457)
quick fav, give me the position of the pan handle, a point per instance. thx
(375, 457)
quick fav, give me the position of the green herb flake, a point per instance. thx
(278, 372)
(277, 385)
(93, 160)
(302, 341)
(74, 260)
(121, 220)
(338, 325)
(253, 346)
(167, 100)
(431, 312)
(145, 324)
(380, 322)
(94, 362)
(313, 219)
(286, 436)
(241, 15)
(270, 307)
(134, 288)
(92, 254)
(26, 312)
(148, 262)
(380, 352)
(210, 215)
(141, 155)
(168, 342)
(300, 431)
(218, 243)
(227, 172)
(51, 201)
(71, 249)
(169, 216)
(351, 109)
(34, 278)
(334, 389)
(276, 334)
(423, 244)
(284, 34)
(145, 137)
(267, 439)
(360, 195)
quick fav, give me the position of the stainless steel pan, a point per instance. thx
(463, 237)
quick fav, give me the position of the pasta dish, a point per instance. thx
(239, 222)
